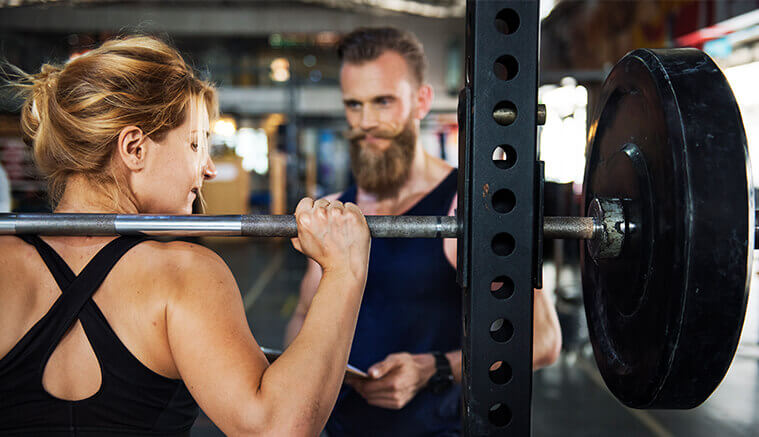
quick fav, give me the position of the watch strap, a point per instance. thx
(443, 376)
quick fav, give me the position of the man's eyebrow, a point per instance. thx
(374, 99)
(383, 97)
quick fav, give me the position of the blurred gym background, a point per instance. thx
(280, 138)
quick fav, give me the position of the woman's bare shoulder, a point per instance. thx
(178, 254)
(181, 264)
(9, 241)
(14, 250)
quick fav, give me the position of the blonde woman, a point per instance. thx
(103, 335)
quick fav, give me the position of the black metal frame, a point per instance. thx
(497, 399)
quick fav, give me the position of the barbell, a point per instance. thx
(669, 228)
(382, 226)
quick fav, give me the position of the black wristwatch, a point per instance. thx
(443, 377)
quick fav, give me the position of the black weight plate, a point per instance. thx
(666, 316)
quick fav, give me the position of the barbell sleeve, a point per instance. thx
(576, 228)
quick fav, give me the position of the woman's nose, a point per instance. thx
(209, 172)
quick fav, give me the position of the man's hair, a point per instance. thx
(369, 43)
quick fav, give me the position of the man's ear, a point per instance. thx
(424, 98)
(133, 147)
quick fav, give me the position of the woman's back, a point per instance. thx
(112, 364)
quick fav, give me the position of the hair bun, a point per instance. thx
(42, 85)
(35, 113)
(47, 77)
(48, 72)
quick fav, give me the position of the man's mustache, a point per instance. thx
(360, 134)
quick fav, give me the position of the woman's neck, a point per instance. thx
(81, 195)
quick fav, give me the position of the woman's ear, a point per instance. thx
(133, 147)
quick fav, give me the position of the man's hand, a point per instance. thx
(395, 380)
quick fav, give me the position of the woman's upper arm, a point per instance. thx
(212, 346)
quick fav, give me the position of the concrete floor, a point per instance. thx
(569, 398)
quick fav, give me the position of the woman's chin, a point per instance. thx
(177, 210)
(184, 210)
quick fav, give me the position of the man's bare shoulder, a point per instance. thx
(439, 166)
(434, 174)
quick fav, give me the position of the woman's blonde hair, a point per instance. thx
(74, 113)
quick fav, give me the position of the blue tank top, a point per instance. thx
(411, 304)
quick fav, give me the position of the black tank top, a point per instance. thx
(411, 303)
(132, 399)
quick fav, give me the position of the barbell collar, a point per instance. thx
(542, 114)
(613, 227)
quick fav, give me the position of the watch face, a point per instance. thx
(442, 366)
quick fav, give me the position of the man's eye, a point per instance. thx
(194, 146)
(353, 105)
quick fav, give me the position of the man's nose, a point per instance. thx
(368, 119)
(209, 171)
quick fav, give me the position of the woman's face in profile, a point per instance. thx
(176, 167)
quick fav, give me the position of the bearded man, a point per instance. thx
(408, 335)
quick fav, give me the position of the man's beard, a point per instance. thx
(383, 173)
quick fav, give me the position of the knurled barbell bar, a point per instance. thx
(257, 225)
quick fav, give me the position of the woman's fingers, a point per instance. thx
(335, 209)
(296, 244)
(329, 230)
(305, 204)
(321, 203)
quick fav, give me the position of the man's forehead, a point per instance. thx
(388, 74)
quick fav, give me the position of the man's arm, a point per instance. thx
(399, 377)
(546, 333)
